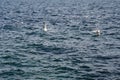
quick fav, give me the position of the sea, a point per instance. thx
(68, 50)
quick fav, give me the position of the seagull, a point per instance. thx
(44, 26)
(97, 32)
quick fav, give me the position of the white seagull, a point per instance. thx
(97, 32)
(45, 26)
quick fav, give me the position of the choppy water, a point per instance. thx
(68, 50)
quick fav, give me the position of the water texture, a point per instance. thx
(68, 50)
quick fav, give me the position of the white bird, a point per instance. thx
(97, 32)
(44, 26)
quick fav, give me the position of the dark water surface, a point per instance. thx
(68, 50)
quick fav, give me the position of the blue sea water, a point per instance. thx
(68, 50)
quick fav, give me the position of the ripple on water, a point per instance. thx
(68, 50)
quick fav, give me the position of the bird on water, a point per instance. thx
(97, 32)
(45, 26)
